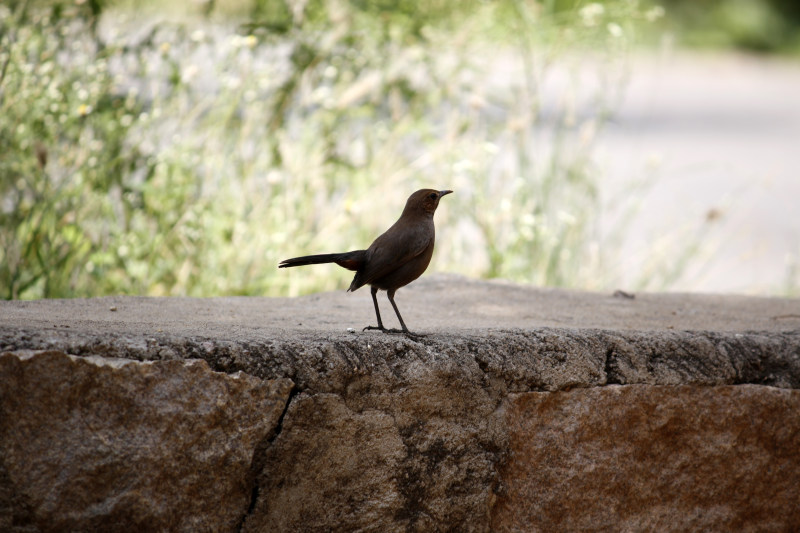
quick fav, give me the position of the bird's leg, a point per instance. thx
(374, 292)
(390, 294)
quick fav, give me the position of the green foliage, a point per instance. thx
(754, 25)
(189, 159)
(64, 145)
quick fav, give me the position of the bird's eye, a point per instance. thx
(432, 196)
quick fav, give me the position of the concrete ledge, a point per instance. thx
(514, 402)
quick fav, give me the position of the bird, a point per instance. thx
(396, 258)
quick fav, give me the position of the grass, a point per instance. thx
(189, 159)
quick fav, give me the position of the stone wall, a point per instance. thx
(543, 429)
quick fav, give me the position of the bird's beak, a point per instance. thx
(442, 193)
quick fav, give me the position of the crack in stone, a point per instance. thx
(610, 366)
(259, 459)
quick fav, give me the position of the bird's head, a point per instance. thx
(424, 200)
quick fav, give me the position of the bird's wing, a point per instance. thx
(397, 246)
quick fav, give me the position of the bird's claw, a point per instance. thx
(383, 329)
(405, 332)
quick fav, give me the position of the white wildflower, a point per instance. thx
(591, 13)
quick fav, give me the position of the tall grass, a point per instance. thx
(188, 159)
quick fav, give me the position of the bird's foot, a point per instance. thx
(395, 331)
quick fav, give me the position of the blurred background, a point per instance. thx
(185, 148)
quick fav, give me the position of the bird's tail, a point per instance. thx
(349, 260)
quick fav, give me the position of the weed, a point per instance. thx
(188, 159)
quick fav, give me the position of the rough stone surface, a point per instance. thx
(412, 455)
(652, 458)
(392, 433)
(92, 444)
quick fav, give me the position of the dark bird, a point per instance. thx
(395, 259)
